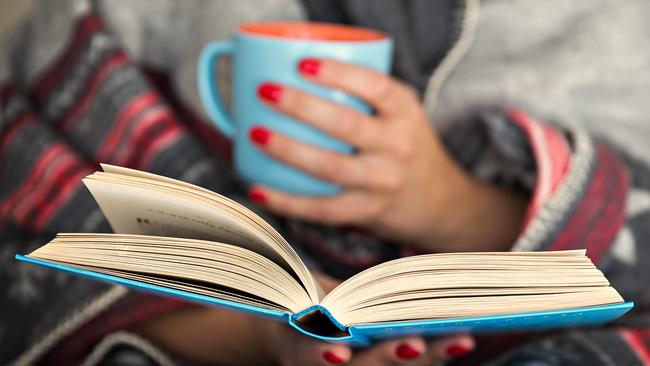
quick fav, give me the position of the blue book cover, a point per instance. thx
(364, 334)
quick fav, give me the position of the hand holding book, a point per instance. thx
(218, 336)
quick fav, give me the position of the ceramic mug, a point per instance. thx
(270, 52)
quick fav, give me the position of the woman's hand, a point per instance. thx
(220, 336)
(292, 348)
(401, 184)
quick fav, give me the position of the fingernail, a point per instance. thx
(259, 135)
(257, 196)
(270, 92)
(407, 352)
(332, 357)
(309, 66)
(457, 350)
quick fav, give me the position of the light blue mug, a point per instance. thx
(270, 52)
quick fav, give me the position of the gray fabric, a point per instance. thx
(169, 35)
(584, 63)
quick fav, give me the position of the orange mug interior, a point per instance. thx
(312, 31)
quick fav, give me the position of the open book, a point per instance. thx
(182, 240)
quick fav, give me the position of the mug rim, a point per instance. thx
(311, 31)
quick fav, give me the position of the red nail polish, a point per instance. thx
(257, 196)
(332, 358)
(270, 92)
(457, 351)
(259, 135)
(309, 66)
(407, 352)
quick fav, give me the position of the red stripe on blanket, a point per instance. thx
(34, 198)
(89, 93)
(86, 26)
(36, 177)
(635, 342)
(601, 213)
(132, 109)
(149, 139)
(552, 155)
(164, 140)
(14, 128)
(62, 191)
(132, 143)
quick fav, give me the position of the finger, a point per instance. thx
(403, 351)
(368, 171)
(451, 347)
(329, 354)
(308, 351)
(346, 208)
(387, 95)
(334, 167)
(343, 123)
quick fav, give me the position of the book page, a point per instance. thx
(137, 202)
(133, 210)
(447, 285)
(211, 268)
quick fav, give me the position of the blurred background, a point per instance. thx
(11, 11)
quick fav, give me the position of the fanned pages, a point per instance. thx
(180, 239)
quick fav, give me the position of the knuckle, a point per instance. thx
(392, 182)
(356, 173)
(402, 149)
(383, 87)
(347, 122)
(330, 169)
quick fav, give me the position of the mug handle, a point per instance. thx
(207, 81)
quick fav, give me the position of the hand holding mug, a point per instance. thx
(313, 151)
(270, 52)
(401, 183)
